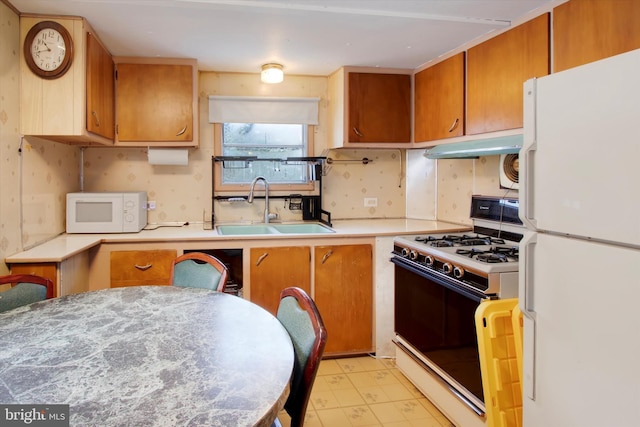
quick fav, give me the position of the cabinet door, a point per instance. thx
(273, 269)
(344, 296)
(439, 100)
(100, 89)
(587, 30)
(154, 102)
(48, 270)
(496, 71)
(137, 268)
(379, 107)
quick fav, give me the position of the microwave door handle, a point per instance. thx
(526, 303)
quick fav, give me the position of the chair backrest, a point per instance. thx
(300, 317)
(199, 270)
(25, 289)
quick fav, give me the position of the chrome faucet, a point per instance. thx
(267, 216)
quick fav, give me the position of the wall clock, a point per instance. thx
(48, 49)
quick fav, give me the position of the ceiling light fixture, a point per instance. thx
(272, 73)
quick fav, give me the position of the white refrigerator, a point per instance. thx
(580, 258)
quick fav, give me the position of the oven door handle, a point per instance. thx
(439, 279)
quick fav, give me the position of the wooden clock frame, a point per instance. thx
(68, 58)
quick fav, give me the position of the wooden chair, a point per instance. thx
(300, 317)
(25, 289)
(199, 270)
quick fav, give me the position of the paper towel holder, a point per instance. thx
(168, 156)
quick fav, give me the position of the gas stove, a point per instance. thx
(484, 260)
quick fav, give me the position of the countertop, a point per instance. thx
(67, 245)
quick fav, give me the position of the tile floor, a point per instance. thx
(367, 392)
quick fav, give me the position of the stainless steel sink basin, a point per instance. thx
(253, 229)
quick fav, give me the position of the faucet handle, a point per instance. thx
(273, 215)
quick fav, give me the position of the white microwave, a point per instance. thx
(109, 212)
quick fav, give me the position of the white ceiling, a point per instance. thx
(311, 37)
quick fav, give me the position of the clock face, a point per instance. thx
(48, 49)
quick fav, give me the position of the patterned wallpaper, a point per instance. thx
(459, 179)
(35, 174)
(9, 137)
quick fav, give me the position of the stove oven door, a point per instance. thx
(434, 320)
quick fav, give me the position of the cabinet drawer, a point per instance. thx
(134, 268)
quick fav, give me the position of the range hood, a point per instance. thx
(472, 149)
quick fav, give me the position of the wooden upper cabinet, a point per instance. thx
(496, 71)
(61, 109)
(156, 103)
(100, 89)
(439, 100)
(588, 30)
(379, 107)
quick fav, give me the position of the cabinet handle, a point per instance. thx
(183, 130)
(357, 132)
(143, 267)
(454, 125)
(262, 257)
(326, 257)
(94, 114)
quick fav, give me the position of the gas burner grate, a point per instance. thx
(459, 240)
(499, 254)
(470, 252)
(472, 241)
(492, 258)
(508, 251)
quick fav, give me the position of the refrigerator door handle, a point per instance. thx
(526, 303)
(527, 155)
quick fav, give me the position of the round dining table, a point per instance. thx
(148, 356)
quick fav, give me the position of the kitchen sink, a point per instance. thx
(252, 229)
(302, 228)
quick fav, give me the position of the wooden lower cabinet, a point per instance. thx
(48, 270)
(276, 268)
(137, 268)
(69, 276)
(344, 296)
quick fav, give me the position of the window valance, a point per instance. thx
(252, 109)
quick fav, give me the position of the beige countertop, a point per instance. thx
(67, 245)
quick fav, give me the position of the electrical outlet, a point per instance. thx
(151, 205)
(371, 202)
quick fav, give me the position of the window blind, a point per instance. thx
(251, 109)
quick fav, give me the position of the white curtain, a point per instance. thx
(252, 109)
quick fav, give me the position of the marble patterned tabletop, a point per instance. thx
(147, 356)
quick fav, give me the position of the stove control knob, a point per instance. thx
(458, 272)
(447, 268)
(404, 252)
(428, 260)
(413, 255)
